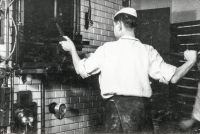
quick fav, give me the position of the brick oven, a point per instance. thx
(44, 72)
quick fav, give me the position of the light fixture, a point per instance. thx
(29, 78)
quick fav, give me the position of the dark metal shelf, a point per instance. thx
(30, 71)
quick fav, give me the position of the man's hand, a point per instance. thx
(190, 55)
(67, 45)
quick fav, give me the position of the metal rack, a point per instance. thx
(184, 36)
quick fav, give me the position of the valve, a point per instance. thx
(24, 116)
(2, 73)
(58, 110)
(3, 68)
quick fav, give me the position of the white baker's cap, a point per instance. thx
(127, 10)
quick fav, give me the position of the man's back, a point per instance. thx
(125, 67)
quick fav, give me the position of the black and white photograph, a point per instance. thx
(99, 66)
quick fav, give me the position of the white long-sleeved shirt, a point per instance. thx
(125, 66)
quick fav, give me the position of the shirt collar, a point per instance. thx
(129, 37)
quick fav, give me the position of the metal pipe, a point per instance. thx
(73, 21)
(129, 3)
(12, 98)
(43, 105)
(18, 29)
(78, 5)
(55, 8)
(19, 10)
(76, 17)
(7, 33)
(18, 19)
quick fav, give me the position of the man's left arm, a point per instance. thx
(166, 73)
(191, 57)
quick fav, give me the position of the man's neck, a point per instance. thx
(128, 33)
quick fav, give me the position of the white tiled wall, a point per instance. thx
(85, 106)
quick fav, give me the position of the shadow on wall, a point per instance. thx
(184, 16)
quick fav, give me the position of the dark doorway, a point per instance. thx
(154, 28)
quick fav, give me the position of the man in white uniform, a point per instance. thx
(125, 66)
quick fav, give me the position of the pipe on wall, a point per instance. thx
(43, 84)
(17, 14)
(12, 99)
(55, 8)
(7, 32)
(18, 28)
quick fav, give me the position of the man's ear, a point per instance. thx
(118, 25)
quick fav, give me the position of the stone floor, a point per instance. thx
(172, 127)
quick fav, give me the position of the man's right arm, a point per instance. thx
(68, 45)
(76, 59)
(84, 67)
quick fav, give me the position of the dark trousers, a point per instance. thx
(127, 114)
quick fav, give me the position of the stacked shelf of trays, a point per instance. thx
(184, 36)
